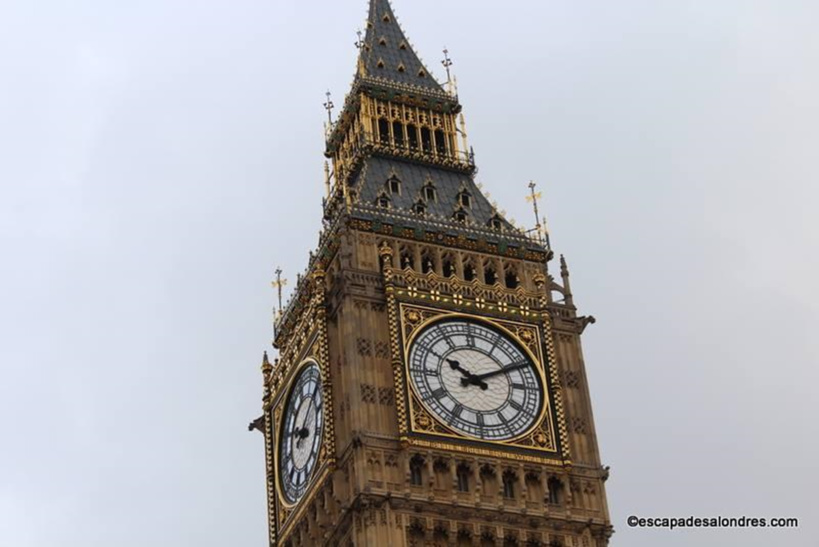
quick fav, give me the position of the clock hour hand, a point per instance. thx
(480, 377)
(303, 432)
(468, 376)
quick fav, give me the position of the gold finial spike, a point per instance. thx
(447, 62)
(327, 178)
(463, 133)
(267, 368)
(532, 198)
(329, 106)
(278, 284)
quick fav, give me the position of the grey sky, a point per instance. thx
(159, 158)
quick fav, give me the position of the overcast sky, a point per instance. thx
(158, 159)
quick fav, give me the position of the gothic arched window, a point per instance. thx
(429, 192)
(407, 258)
(440, 142)
(398, 133)
(555, 491)
(384, 131)
(490, 276)
(511, 278)
(427, 262)
(448, 265)
(394, 185)
(463, 473)
(509, 480)
(460, 215)
(412, 136)
(416, 471)
(465, 199)
(469, 272)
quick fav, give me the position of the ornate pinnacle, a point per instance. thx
(329, 106)
(327, 178)
(447, 62)
(267, 368)
(386, 254)
(567, 288)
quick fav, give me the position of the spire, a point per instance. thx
(387, 56)
(567, 289)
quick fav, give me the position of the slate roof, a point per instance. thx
(387, 49)
(372, 183)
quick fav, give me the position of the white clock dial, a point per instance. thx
(475, 379)
(301, 434)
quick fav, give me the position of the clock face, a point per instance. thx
(476, 379)
(301, 434)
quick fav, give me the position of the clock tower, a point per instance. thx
(430, 388)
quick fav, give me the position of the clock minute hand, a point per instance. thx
(480, 377)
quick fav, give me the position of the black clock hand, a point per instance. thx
(468, 375)
(303, 432)
(457, 366)
(480, 377)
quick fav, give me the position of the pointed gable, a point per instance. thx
(387, 55)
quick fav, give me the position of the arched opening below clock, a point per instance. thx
(534, 487)
(489, 480)
(556, 491)
(416, 471)
(509, 483)
(464, 538)
(464, 475)
(443, 475)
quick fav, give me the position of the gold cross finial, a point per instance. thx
(540, 231)
(279, 283)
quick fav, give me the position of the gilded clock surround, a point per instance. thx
(322, 457)
(415, 319)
